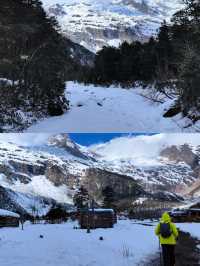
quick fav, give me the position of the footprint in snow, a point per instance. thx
(79, 104)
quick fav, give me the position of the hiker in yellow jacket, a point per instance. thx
(167, 233)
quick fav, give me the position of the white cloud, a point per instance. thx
(144, 147)
(25, 139)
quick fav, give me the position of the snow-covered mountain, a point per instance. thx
(49, 172)
(95, 23)
(170, 161)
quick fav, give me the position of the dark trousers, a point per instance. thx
(168, 252)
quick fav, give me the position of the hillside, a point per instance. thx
(35, 62)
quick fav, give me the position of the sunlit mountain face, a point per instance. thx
(95, 24)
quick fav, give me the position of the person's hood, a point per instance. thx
(165, 218)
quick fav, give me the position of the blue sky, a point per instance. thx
(84, 139)
(87, 139)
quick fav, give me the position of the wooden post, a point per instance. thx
(88, 218)
(22, 221)
(92, 218)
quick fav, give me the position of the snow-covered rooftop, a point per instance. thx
(102, 210)
(6, 213)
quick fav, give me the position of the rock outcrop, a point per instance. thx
(96, 180)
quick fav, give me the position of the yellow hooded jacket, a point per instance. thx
(172, 239)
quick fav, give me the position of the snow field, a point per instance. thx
(127, 244)
(113, 109)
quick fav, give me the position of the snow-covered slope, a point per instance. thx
(50, 171)
(99, 109)
(38, 175)
(95, 23)
(168, 160)
(143, 150)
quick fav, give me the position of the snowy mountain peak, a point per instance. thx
(62, 140)
(94, 24)
(144, 149)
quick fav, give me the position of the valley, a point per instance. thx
(112, 64)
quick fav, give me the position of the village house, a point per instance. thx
(97, 218)
(9, 219)
(186, 215)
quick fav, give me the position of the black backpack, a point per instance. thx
(165, 230)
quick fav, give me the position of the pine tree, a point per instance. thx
(186, 32)
(81, 199)
(164, 52)
(189, 81)
(33, 57)
(126, 64)
(148, 61)
(108, 197)
(107, 65)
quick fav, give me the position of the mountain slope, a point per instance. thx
(162, 161)
(156, 167)
(94, 24)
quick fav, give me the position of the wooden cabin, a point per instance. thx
(97, 218)
(194, 215)
(186, 215)
(9, 219)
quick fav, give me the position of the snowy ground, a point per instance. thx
(97, 109)
(62, 245)
(192, 228)
(127, 244)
